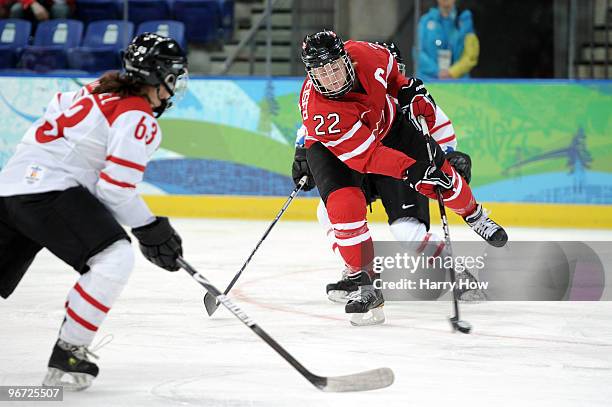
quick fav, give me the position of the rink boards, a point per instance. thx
(511, 214)
(540, 158)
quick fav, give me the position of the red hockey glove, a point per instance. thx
(415, 101)
(425, 177)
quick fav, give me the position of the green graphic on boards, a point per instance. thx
(503, 124)
(210, 141)
(541, 141)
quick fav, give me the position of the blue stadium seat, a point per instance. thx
(101, 46)
(51, 41)
(227, 18)
(14, 35)
(201, 17)
(140, 11)
(68, 72)
(166, 28)
(95, 10)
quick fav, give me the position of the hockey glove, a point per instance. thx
(300, 168)
(159, 243)
(462, 164)
(415, 101)
(424, 176)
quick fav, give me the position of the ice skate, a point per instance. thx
(486, 228)
(339, 292)
(71, 362)
(365, 306)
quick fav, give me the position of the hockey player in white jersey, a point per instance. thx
(71, 183)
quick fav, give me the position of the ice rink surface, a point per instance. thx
(166, 351)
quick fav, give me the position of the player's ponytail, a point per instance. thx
(116, 82)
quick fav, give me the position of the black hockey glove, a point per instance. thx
(424, 177)
(462, 163)
(159, 243)
(415, 101)
(300, 168)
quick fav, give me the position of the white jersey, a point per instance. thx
(443, 131)
(100, 141)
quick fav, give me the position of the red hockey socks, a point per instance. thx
(346, 208)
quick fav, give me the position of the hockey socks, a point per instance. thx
(346, 208)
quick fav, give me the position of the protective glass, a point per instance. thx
(178, 86)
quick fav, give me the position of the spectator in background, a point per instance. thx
(448, 48)
(4, 8)
(40, 10)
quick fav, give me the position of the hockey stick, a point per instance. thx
(456, 322)
(368, 380)
(210, 303)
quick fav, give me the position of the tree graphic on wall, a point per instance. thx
(578, 154)
(578, 160)
(269, 108)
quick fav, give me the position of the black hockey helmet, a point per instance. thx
(319, 52)
(394, 50)
(155, 60)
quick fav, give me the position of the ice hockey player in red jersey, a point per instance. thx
(71, 183)
(407, 210)
(349, 105)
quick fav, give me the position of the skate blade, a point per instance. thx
(338, 296)
(375, 316)
(79, 381)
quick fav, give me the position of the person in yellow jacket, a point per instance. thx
(448, 47)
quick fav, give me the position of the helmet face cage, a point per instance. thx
(176, 86)
(327, 64)
(402, 68)
(334, 79)
(169, 76)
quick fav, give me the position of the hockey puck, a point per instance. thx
(461, 326)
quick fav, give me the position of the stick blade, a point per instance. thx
(210, 303)
(364, 381)
(459, 325)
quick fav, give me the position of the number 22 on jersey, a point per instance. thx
(333, 117)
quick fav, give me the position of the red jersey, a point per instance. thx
(352, 126)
